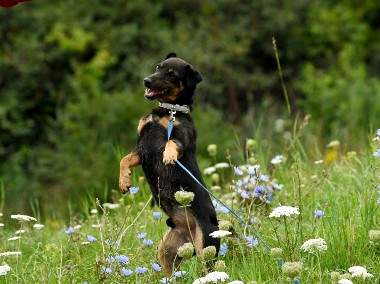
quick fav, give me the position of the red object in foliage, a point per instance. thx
(11, 3)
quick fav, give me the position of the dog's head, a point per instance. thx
(174, 81)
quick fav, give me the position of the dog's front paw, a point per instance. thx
(125, 181)
(170, 153)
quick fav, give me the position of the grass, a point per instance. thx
(344, 188)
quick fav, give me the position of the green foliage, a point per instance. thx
(345, 190)
(71, 81)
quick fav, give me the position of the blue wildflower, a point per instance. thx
(179, 273)
(141, 235)
(157, 267)
(223, 249)
(110, 259)
(70, 230)
(319, 213)
(377, 153)
(91, 239)
(239, 182)
(255, 220)
(109, 242)
(378, 132)
(253, 170)
(122, 258)
(141, 270)
(166, 280)
(107, 270)
(219, 208)
(134, 190)
(264, 178)
(157, 215)
(126, 271)
(238, 171)
(252, 242)
(276, 185)
(244, 194)
(147, 242)
(258, 190)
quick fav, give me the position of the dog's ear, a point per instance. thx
(170, 55)
(193, 76)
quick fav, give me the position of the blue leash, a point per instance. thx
(170, 129)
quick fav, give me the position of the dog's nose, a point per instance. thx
(147, 82)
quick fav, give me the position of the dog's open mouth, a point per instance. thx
(150, 94)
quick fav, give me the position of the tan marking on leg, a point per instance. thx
(143, 121)
(167, 250)
(128, 162)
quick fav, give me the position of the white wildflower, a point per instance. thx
(236, 282)
(1, 214)
(314, 245)
(220, 233)
(14, 238)
(38, 226)
(94, 211)
(96, 225)
(1, 224)
(345, 281)
(276, 160)
(318, 162)
(77, 227)
(19, 232)
(284, 211)
(23, 217)
(208, 171)
(85, 243)
(221, 165)
(8, 253)
(111, 206)
(359, 271)
(4, 269)
(215, 188)
(201, 280)
(216, 276)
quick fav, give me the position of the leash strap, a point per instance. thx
(170, 129)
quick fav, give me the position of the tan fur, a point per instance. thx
(174, 238)
(170, 153)
(128, 162)
(144, 120)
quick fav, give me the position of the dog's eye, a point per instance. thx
(171, 73)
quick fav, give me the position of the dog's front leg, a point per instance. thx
(128, 162)
(173, 151)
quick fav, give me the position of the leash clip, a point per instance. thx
(172, 113)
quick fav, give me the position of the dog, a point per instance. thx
(173, 85)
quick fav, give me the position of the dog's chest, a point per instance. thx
(154, 120)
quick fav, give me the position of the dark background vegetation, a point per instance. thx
(71, 78)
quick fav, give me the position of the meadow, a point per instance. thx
(318, 218)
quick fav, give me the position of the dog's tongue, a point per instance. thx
(149, 93)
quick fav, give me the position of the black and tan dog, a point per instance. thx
(173, 85)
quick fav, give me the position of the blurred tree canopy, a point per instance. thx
(71, 77)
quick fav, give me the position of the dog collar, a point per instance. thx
(175, 108)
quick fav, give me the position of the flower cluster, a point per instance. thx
(254, 185)
(212, 277)
(314, 245)
(284, 211)
(359, 272)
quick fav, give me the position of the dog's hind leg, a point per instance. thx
(167, 250)
(128, 162)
